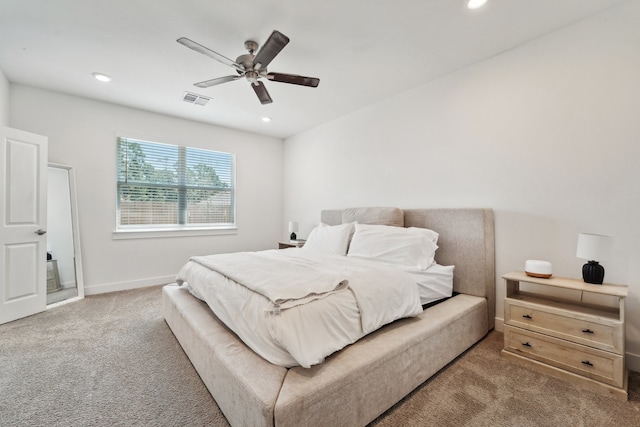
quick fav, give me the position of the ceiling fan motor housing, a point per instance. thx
(246, 61)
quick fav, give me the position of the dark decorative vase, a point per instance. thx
(592, 272)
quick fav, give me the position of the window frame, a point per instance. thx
(173, 230)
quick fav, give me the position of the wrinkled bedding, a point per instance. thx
(294, 308)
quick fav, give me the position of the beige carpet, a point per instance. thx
(111, 360)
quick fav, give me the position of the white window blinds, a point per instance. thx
(173, 187)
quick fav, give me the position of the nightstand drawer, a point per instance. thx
(589, 362)
(604, 334)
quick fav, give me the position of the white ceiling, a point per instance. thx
(363, 51)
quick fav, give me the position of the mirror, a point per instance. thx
(64, 263)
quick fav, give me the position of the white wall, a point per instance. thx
(547, 135)
(4, 99)
(82, 133)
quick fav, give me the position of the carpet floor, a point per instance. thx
(111, 360)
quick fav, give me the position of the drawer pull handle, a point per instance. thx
(586, 362)
(587, 331)
(526, 344)
(526, 316)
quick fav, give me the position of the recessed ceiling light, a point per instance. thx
(266, 119)
(102, 77)
(475, 4)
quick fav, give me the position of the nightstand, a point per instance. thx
(567, 337)
(285, 245)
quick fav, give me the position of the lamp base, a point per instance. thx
(592, 272)
(292, 236)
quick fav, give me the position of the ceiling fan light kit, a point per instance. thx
(253, 66)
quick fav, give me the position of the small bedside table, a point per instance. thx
(568, 338)
(285, 245)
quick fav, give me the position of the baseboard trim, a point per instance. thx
(125, 286)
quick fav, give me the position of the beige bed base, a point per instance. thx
(357, 384)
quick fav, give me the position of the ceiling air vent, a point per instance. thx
(194, 98)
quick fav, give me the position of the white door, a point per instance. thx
(23, 220)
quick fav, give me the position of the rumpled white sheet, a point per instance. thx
(305, 334)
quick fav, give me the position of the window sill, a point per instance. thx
(160, 233)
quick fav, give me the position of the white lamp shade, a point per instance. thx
(594, 247)
(293, 227)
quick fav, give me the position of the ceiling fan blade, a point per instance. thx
(217, 81)
(208, 52)
(262, 93)
(274, 44)
(293, 79)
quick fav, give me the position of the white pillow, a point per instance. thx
(330, 239)
(430, 234)
(412, 247)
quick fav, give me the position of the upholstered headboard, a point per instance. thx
(466, 241)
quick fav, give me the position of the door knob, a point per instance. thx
(41, 232)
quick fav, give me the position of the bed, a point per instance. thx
(355, 385)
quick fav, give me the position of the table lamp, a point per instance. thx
(593, 247)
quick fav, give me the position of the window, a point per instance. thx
(171, 187)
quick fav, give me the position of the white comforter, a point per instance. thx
(286, 281)
(296, 307)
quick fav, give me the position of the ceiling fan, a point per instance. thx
(253, 67)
